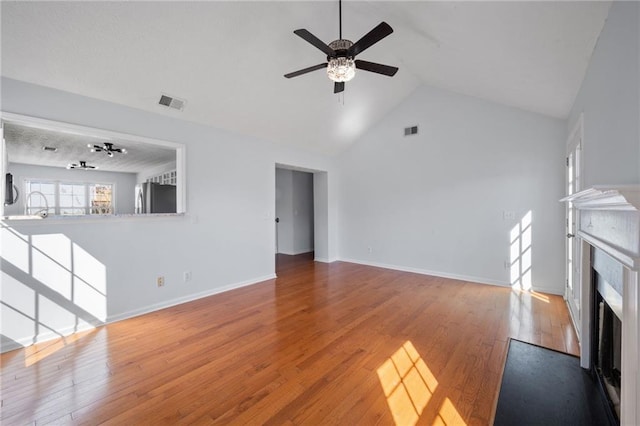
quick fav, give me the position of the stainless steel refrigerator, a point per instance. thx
(155, 198)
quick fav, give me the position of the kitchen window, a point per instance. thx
(68, 198)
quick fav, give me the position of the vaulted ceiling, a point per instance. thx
(227, 59)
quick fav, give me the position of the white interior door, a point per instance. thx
(573, 255)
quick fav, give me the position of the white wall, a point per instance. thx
(322, 201)
(225, 240)
(294, 207)
(609, 98)
(284, 210)
(302, 212)
(124, 184)
(434, 202)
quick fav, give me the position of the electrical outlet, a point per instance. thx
(187, 276)
(369, 249)
(160, 281)
(507, 264)
(508, 215)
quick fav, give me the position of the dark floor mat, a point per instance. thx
(544, 387)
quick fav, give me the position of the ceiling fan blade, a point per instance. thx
(306, 35)
(377, 68)
(372, 37)
(338, 87)
(306, 70)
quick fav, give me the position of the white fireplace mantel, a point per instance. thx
(609, 220)
(600, 197)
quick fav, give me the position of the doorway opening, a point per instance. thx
(300, 215)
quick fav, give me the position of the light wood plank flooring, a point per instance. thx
(323, 344)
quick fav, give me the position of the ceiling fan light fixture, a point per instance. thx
(108, 148)
(341, 69)
(341, 63)
(82, 165)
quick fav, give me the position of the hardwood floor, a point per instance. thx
(323, 344)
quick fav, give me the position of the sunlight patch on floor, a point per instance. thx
(541, 297)
(448, 415)
(39, 351)
(407, 383)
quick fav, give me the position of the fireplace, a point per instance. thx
(608, 322)
(606, 348)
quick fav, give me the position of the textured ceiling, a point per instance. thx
(24, 145)
(227, 59)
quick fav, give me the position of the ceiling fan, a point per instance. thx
(341, 63)
(82, 166)
(106, 147)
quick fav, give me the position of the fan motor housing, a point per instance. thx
(341, 47)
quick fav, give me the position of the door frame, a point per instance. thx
(321, 201)
(575, 147)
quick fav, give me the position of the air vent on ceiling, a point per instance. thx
(408, 131)
(172, 102)
(50, 148)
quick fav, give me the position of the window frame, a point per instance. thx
(56, 208)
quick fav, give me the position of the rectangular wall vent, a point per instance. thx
(408, 131)
(172, 102)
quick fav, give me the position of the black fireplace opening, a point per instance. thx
(607, 343)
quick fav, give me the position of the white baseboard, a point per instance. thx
(420, 271)
(295, 253)
(8, 347)
(324, 260)
(547, 290)
(30, 340)
(43, 337)
(27, 341)
(469, 278)
(185, 299)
